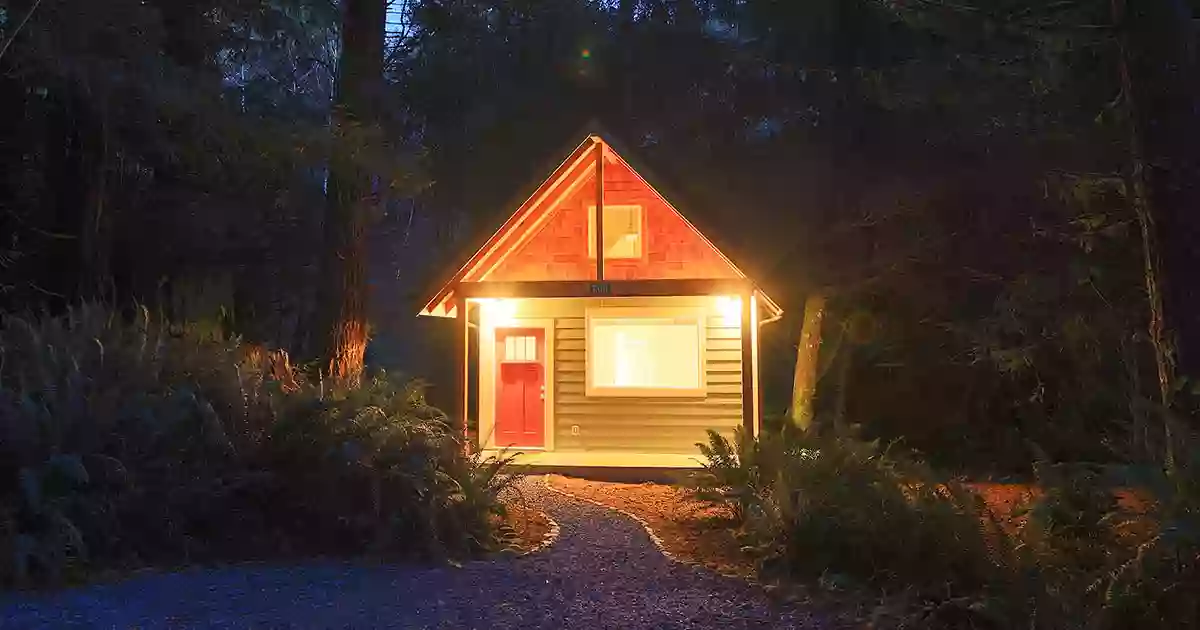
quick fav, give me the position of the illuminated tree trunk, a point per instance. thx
(804, 385)
(348, 195)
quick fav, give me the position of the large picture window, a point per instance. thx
(645, 352)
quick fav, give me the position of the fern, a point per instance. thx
(197, 447)
(729, 477)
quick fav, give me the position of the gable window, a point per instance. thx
(622, 232)
(645, 352)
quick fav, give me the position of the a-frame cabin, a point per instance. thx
(611, 331)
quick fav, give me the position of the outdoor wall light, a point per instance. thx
(730, 308)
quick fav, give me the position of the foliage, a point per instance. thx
(46, 538)
(1073, 517)
(842, 512)
(838, 507)
(127, 441)
(1154, 587)
(376, 468)
(156, 145)
(731, 474)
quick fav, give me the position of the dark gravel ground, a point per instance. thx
(603, 572)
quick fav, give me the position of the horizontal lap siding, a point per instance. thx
(667, 425)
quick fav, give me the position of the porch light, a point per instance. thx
(730, 308)
(495, 312)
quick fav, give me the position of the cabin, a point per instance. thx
(609, 331)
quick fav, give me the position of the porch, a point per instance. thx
(599, 459)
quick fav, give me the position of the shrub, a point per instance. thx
(46, 536)
(730, 477)
(129, 441)
(1156, 586)
(377, 468)
(738, 475)
(1071, 528)
(818, 505)
(838, 510)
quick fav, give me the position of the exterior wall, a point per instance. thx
(559, 251)
(644, 424)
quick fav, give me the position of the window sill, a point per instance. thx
(643, 392)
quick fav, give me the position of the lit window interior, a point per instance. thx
(622, 232)
(645, 354)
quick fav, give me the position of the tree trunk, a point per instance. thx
(63, 202)
(804, 385)
(1158, 73)
(845, 360)
(95, 235)
(76, 183)
(1139, 201)
(360, 79)
(1163, 80)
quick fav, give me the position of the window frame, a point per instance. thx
(527, 343)
(641, 223)
(696, 316)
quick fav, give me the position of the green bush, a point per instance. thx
(1156, 584)
(838, 511)
(129, 441)
(818, 505)
(732, 476)
(378, 469)
(1072, 526)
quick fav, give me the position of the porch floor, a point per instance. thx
(602, 459)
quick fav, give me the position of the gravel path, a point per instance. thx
(602, 572)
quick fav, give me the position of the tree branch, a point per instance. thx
(36, 4)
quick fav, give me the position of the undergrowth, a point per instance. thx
(127, 442)
(847, 514)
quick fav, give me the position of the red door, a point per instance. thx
(520, 387)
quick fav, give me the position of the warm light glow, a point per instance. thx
(495, 312)
(650, 354)
(622, 232)
(730, 308)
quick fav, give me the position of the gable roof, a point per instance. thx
(533, 213)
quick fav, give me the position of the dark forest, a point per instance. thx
(221, 217)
